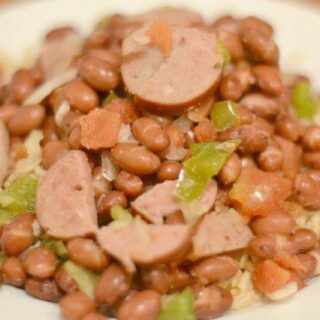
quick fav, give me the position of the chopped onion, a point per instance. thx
(176, 154)
(49, 86)
(288, 290)
(200, 112)
(125, 135)
(183, 123)
(109, 170)
(63, 109)
(36, 229)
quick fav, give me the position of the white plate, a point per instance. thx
(298, 33)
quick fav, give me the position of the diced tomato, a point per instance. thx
(259, 193)
(161, 36)
(100, 129)
(124, 108)
(269, 277)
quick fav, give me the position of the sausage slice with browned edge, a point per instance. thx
(220, 232)
(4, 151)
(168, 67)
(142, 243)
(65, 204)
(161, 201)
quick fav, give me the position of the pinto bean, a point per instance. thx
(227, 23)
(288, 128)
(261, 105)
(49, 130)
(176, 136)
(94, 316)
(13, 272)
(112, 285)
(215, 269)
(278, 222)
(309, 264)
(233, 43)
(246, 116)
(26, 119)
(107, 201)
(205, 131)
(98, 73)
(230, 87)
(254, 22)
(87, 254)
(311, 138)
(130, 184)
(40, 262)
(22, 84)
(271, 159)
(7, 111)
(253, 139)
(51, 152)
(169, 170)
(75, 305)
(43, 289)
(81, 96)
(211, 302)
(64, 281)
(17, 235)
(305, 240)
(307, 191)
(144, 305)
(311, 159)
(260, 46)
(150, 134)
(175, 218)
(231, 170)
(135, 159)
(59, 33)
(268, 79)
(267, 246)
(106, 55)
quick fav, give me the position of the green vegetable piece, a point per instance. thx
(57, 246)
(304, 103)
(102, 21)
(223, 50)
(120, 214)
(225, 115)
(180, 307)
(18, 197)
(191, 186)
(111, 96)
(85, 278)
(206, 161)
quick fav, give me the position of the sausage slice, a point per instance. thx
(171, 82)
(161, 201)
(65, 204)
(4, 151)
(220, 232)
(142, 243)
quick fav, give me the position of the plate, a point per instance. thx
(297, 33)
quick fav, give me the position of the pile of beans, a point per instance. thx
(273, 139)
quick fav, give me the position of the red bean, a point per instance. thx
(144, 305)
(113, 285)
(305, 240)
(131, 185)
(17, 235)
(64, 281)
(13, 272)
(43, 289)
(75, 305)
(22, 84)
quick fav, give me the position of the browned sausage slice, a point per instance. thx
(65, 204)
(4, 151)
(191, 70)
(142, 243)
(161, 201)
(220, 232)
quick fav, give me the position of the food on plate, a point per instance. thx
(160, 168)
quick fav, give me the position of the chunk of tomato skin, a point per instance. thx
(269, 277)
(259, 193)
